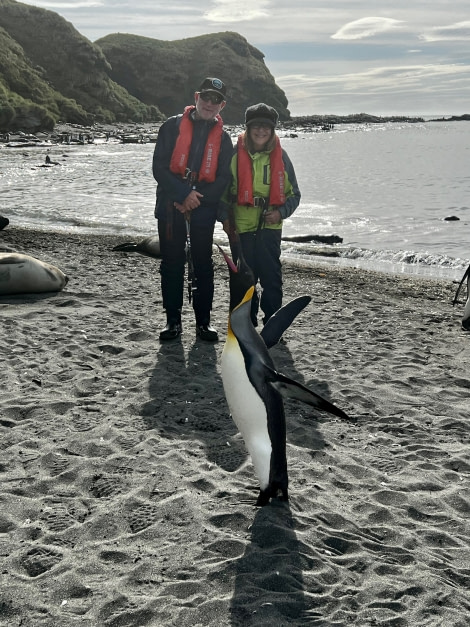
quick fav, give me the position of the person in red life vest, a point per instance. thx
(262, 193)
(191, 164)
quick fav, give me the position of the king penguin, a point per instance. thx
(254, 389)
(466, 310)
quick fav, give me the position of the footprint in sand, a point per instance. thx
(39, 560)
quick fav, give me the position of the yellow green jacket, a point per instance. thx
(247, 218)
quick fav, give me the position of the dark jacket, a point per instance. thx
(171, 187)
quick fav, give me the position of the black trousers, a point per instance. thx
(172, 235)
(262, 252)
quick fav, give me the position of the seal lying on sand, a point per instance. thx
(150, 246)
(22, 274)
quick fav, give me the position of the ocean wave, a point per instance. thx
(401, 261)
(406, 256)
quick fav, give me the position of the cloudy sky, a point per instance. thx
(409, 57)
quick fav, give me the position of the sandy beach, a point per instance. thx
(127, 498)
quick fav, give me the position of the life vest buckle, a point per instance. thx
(190, 176)
(260, 201)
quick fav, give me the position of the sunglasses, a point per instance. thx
(212, 97)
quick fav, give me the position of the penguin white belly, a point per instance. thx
(247, 409)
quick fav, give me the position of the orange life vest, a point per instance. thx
(179, 158)
(245, 175)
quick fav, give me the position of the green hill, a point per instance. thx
(166, 73)
(26, 98)
(46, 62)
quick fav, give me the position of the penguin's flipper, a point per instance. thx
(293, 389)
(467, 273)
(282, 319)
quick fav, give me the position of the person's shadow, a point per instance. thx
(187, 402)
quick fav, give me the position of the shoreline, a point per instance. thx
(323, 258)
(127, 496)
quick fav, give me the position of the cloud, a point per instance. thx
(395, 90)
(453, 32)
(366, 27)
(383, 80)
(229, 11)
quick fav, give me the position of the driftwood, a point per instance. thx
(323, 239)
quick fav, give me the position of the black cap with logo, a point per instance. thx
(214, 85)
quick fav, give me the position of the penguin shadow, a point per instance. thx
(187, 402)
(269, 583)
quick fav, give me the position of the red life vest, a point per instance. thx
(277, 195)
(179, 158)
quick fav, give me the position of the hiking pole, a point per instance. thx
(190, 177)
(189, 258)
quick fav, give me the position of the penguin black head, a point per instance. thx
(241, 279)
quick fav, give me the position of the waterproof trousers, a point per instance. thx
(173, 237)
(262, 252)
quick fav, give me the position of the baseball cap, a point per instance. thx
(213, 84)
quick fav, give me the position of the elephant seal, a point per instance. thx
(22, 274)
(150, 247)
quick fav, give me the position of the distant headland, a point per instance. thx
(354, 118)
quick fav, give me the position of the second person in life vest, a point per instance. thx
(263, 192)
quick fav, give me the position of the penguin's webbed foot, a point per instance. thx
(271, 492)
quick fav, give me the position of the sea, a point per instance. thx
(395, 195)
